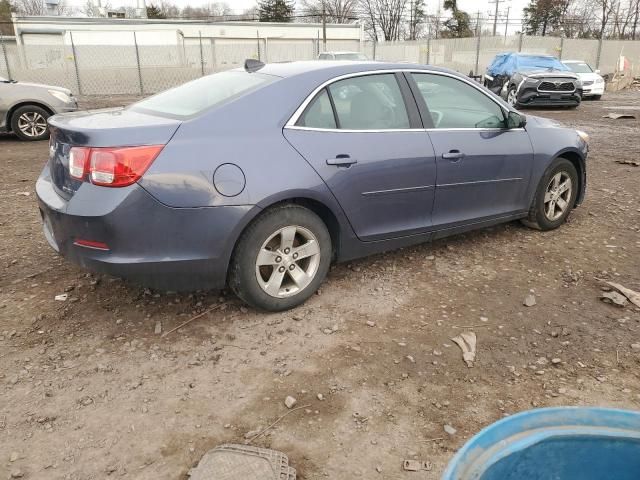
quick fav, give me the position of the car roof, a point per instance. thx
(343, 52)
(340, 67)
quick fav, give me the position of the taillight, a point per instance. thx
(111, 167)
(78, 162)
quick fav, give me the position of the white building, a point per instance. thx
(112, 56)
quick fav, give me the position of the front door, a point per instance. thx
(483, 167)
(363, 137)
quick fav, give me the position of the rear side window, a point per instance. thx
(199, 95)
(369, 102)
(453, 103)
(319, 113)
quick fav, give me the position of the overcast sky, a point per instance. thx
(470, 6)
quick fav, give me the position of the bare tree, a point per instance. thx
(606, 8)
(335, 11)
(385, 16)
(30, 7)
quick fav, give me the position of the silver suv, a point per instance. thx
(25, 107)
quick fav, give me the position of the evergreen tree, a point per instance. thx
(275, 10)
(458, 25)
(542, 16)
(154, 12)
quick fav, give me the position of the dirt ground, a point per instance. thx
(89, 390)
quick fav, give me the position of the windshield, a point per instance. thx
(533, 62)
(350, 56)
(206, 92)
(579, 67)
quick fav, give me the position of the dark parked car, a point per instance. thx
(533, 80)
(260, 178)
(25, 107)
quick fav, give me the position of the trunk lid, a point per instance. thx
(116, 127)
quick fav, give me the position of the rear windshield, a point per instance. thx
(579, 67)
(199, 95)
(350, 56)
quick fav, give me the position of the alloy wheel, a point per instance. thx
(557, 196)
(512, 98)
(32, 124)
(288, 261)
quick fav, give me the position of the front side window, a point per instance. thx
(369, 102)
(455, 104)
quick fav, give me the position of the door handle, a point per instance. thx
(453, 155)
(342, 161)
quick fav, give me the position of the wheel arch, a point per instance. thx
(310, 201)
(578, 161)
(25, 103)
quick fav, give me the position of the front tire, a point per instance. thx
(555, 196)
(30, 123)
(512, 97)
(281, 259)
(597, 97)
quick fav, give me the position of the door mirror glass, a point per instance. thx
(516, 120)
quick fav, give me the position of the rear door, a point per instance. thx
(363, 136)
(483, 167)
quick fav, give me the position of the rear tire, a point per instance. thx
(555, 196)
(281, 259)
(30, 123)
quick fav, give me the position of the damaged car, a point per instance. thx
(525, 80)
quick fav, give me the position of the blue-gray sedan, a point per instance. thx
(259, 178)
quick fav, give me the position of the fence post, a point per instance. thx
(135, 42)
(201, 54)
(75, 63)
(429, 50)
(477, 55)
(258, 40)
(599, 53)
(520, 42)
(6, 57)
(213, 54)
(561, 47)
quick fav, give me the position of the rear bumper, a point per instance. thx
(149, 243)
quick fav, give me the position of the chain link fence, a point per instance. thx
(142, 69)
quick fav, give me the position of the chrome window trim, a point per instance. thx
(405, 130)
(291, 123)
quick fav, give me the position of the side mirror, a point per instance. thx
(598, 72)
(516, 120)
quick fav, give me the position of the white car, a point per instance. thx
(592, 82)
(354, 56)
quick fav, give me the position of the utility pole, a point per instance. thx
(478, 31)
(324, 27)
(506, 25)
(495, 16)
(411, 23)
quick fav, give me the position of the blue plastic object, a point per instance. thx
(509, 63)
(566, 443)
